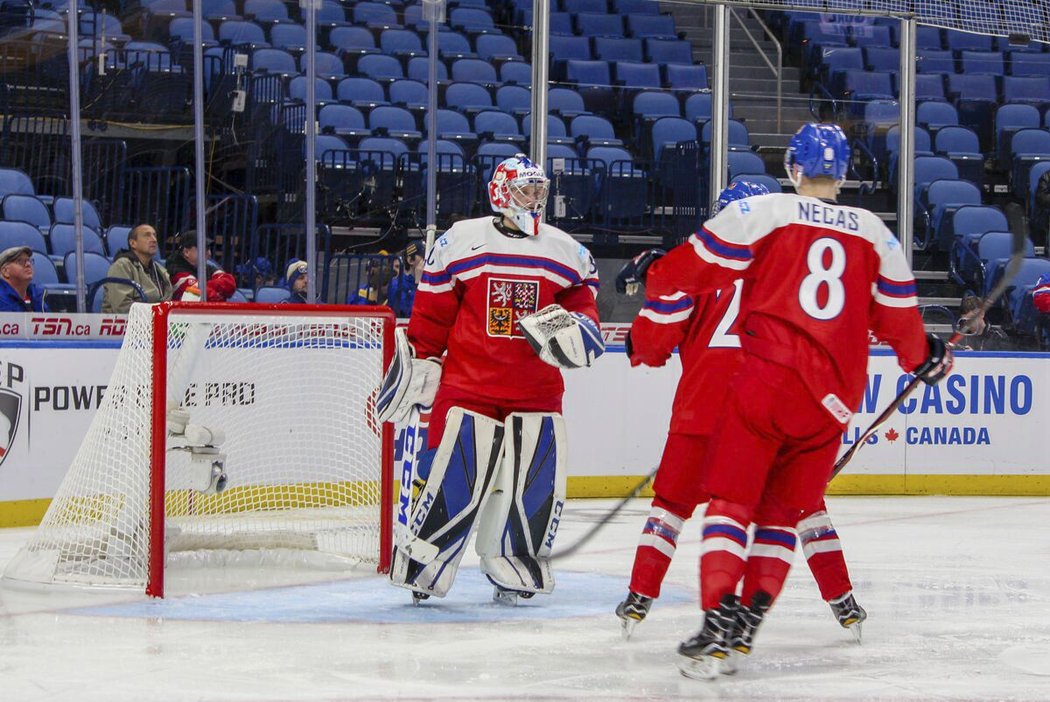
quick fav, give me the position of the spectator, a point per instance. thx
(402, 291)
(136, 264)
(377, 274)
(297, 278)
(1040, 294)
(17, 292)
(182, 267)
(256, 274)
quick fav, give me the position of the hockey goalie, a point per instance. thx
(505, 303)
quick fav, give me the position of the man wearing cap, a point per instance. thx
(136, 264)
(17, 292)
(182, 267)
(298, 279)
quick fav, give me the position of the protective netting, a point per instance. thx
(996, 17)
(293, 393)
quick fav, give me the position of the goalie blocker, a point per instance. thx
(507, 479)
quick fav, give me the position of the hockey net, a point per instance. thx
(1022, 18)
(308, 466)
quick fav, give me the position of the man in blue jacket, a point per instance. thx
(17, 292)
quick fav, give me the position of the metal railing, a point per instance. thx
(777, 70)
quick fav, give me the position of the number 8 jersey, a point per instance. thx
(819, 277)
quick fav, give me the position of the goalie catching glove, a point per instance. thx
(563, 339)
(938, 364)
(409, 381)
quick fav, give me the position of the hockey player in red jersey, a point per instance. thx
(817, 277)
(504, 304)
(704, 329)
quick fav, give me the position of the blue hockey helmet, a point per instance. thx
(738, 191)
(818, 150)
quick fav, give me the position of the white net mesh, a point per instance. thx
(996, 17)
(293, 394)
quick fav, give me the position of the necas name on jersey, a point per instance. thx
(824, 215)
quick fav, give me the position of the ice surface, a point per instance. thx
(957, 591)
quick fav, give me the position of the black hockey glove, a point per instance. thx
(939, 362)
(628, 345)
(632, 275)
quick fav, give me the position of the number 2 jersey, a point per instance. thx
(478, 282)
(704, 328)
(818, 276)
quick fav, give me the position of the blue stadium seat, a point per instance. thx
(116, 238)
(592, 130)
(325, 143)
(214, 10)
(1030, 90)
(565, 101)
(402, 42)
(682, 77)
(1026, 63)
(26, 208)
(882, 58)
(290, 37)
(344, 121)
(597, 6)
(651, 27)
(1027, 148)
(374, 14)
(488, 156)
(474, 71)
(860, 87)
(493, 125)
(556, 131)
(271, 294)
(975, 97)
(21, 234)
(618, 49)
(468, 97)
(410, 94)
(419, 69)
(361, 92)
(96, 266)
(739, 137)
(64, 211)
(516, 72)
(593, 82)
(62, 240)
(874, 35)
(497, 47)
(266, 11)
(966, 41)
(380, 67)
(632, 75)
(322, 89)
(927, 37)
(514, 99)
(327, 65)
(572, 179)
(668, 51)
(928, 169)
(452, 45)
(589, 24)
(666, 132)
(566, 48)
(276, 61)
(624, 186)
(879, 117)
(636, 7)
(181, 28)
(396, 122)
(934, 115)
(453, 126)
(456, 184)
(652, 105)
(961, 146)
(928, 86)
(743, 163)
(353, 41)
(45, 274)
(241, 33)
(978, 62)
(970, 224)
(331, 15)
(834, 64)
(942, 198)
(472, 20)
(1010, 119)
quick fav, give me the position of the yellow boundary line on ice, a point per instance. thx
(21, 513)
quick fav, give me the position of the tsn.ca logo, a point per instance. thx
(58, 326)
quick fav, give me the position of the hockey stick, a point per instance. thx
(590, 533)
(969, 324)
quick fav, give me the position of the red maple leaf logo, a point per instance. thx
(891, 435)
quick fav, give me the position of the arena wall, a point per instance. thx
(980, 432)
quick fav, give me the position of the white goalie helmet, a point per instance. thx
(518, 190)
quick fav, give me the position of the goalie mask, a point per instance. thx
(518, 190)
(817, 150)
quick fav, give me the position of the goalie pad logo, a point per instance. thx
(508, 302)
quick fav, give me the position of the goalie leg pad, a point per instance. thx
(520, 521)
(427, 550)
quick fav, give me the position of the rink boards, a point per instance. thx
(980, 432)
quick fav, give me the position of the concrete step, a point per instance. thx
(737, 59)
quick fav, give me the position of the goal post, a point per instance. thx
(278, 450)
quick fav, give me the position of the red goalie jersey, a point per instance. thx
(704, 328)
(817, 277)
(477, 284)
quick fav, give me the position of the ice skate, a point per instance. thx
(507, 597)
(631, 611)
(849, 614)
(746, 626)
(419, 597)
(702, 656)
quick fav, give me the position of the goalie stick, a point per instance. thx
(965, 326)
(590, 533)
